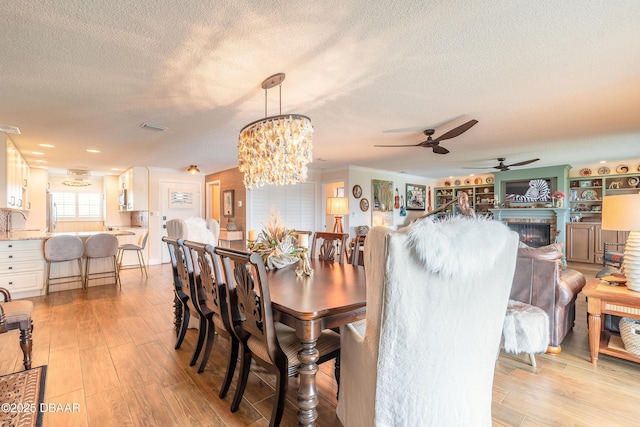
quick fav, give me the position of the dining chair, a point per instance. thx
(17, 315)
(213, 302)
(138, 248)
(63, 248)
(181, 308)
(433, 284)
(357, 250)
(332, 246)
(271, 344)
(101, 245)
(189, 278)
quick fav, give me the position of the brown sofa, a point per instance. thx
(541, 281)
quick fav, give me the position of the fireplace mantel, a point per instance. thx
(503, 214)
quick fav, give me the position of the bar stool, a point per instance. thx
(101, 245)
(62, 249)
(142, 242)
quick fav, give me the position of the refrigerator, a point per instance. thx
(52, 214)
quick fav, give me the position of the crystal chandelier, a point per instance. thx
(276, 149)
(77, 178)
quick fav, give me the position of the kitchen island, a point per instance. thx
(23, 267)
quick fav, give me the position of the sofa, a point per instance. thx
(541, 281)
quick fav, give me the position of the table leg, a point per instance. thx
(307, 388)
(595, 328)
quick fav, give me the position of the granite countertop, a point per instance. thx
(40, 235)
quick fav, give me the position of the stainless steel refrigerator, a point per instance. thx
(52, 213)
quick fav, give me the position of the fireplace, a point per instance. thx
(534, 234)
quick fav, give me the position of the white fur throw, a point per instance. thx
(525, 329)
(444, 249)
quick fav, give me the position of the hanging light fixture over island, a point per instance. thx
(276, 149)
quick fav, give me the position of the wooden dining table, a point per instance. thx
(333, 296)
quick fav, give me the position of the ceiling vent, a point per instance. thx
(153, 127)
(77, 178)
(9, 129)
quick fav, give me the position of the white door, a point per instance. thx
(178, 200)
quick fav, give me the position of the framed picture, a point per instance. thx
(416, 195)
(227, 204)
(382, 204)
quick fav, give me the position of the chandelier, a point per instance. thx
(77, 178)
(276, 149)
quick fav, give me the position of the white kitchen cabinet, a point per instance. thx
(14, 168)
(22, 267)
(136, 182)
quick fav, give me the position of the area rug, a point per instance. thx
(20, 397)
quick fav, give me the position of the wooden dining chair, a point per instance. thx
(271, 344)
(189, 278)
(182, 312)
(332, 246)
(357, 250)
(18, 315)
(212, 301)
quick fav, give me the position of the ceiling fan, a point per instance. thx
(502, 167)
(434, 144)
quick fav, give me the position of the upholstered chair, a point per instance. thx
(63, 248)
(271, 344)
(181, 308)
(101, 245)
(437, 294)
(137, 248)
(329, 246)
(17, 315)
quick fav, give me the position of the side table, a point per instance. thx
(606, 299)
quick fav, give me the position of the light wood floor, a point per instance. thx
(111, 351)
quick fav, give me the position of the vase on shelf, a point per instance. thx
(558, 202)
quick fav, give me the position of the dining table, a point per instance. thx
(333, 296)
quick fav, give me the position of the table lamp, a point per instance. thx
(622, 213)
(337, 206)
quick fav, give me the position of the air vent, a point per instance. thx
(153, 127)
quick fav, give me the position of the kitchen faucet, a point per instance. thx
(11, 215)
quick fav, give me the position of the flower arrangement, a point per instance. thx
(276, 244)
(557, 195)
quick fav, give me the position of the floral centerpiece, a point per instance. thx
(276, 244)
(558, 198)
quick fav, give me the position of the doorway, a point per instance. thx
(213, 200)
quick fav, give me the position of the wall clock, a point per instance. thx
(364, 205)
(357, 191)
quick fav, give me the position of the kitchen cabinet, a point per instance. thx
(581, 239)
(22, 267)
(135, 181)
(14, 195)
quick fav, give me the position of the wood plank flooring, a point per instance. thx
(111, 352)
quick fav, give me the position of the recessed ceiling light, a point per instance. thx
(37, 153)
(472, 174)
(40, 161)
(93, 151)
(116, 169)
(603, 161)
(47, 145)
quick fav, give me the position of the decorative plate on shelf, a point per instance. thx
(604, 171)
(622, 169)
(456, 182)
(589, 195)
(490, 179)
(585, 172)
(357, 191)
(447, 184)
(633, 181)
(467, 181)
(477, 181)
(364, 205)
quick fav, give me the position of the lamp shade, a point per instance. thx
(621, 212)
(337, 206)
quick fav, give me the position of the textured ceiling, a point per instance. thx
(548, 79)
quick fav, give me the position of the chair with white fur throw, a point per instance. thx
(437, 293)
(17, 315)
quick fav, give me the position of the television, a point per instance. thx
(529, 190)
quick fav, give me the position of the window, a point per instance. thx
(78, 206)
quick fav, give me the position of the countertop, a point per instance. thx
(39, 235)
